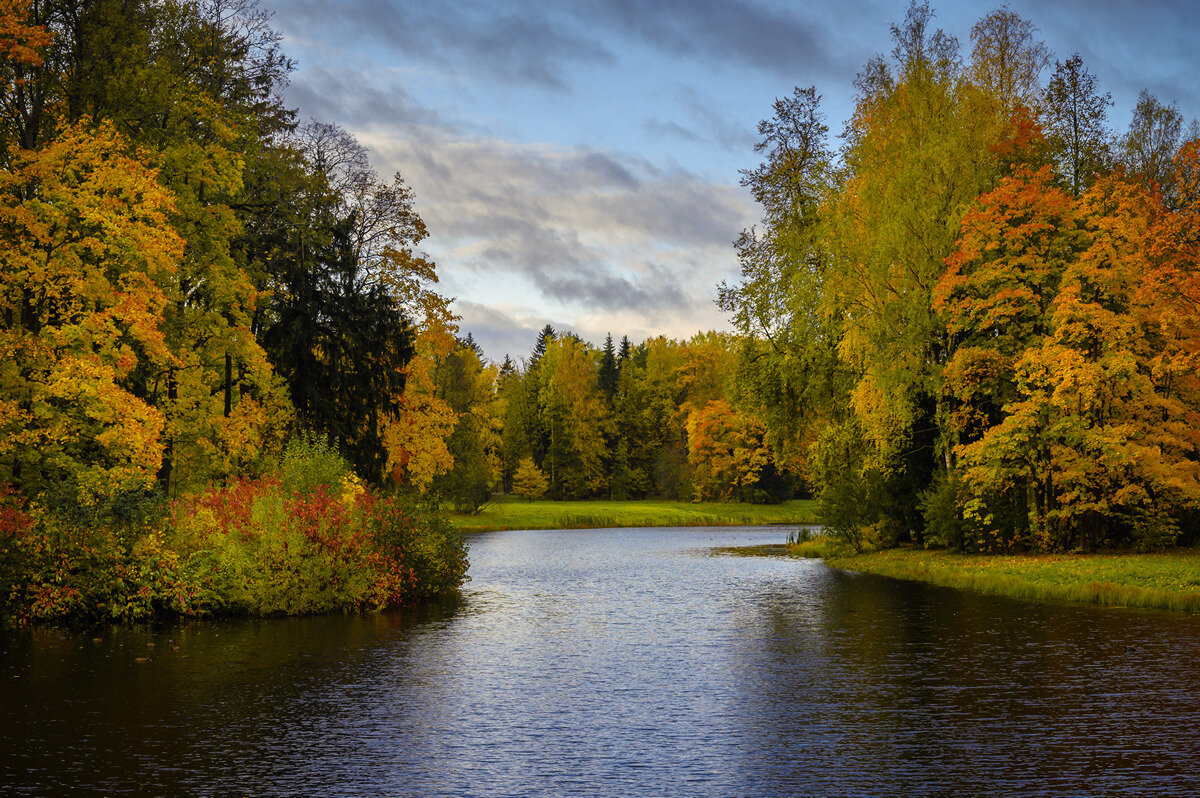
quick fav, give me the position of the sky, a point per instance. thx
(577, 162)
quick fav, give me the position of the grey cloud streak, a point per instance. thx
(532, 42)
(743, 31)
(521, 44)
(353, 99)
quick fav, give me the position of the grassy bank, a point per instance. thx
(1168, 581)
(513, 513)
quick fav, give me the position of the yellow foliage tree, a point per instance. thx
(529, 481)
(417, 439)
(85, 250)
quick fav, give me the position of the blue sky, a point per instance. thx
(577, 161)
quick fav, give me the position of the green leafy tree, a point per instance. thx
(574, 414)
(468, 387)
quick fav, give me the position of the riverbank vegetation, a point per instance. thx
(306, 537)
(510, 514)
(1168, 580)
(976, 323)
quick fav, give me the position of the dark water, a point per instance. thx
(621, 663)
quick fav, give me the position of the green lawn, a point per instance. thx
(512, 513)
(1169, 580)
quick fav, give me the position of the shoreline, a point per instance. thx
(1163, 581)
(511, 515)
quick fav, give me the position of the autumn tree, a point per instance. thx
(996, 298)
(727, 453)
(921, 147)
(1075, 432)
(1007, 59)
(468, 387)
(22, 44)
(529, 482)
(574, 416)
(88, 256)
(787, 346)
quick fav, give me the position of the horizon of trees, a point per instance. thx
(650, 420)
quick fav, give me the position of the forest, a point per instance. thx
(974, 322)
(216, 328)
(228, 375)
(229, 379)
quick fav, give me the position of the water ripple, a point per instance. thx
(617, 662)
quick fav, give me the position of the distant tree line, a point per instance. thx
(573, 421)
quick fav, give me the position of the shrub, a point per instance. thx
(66, 570)
(419, 553)
(310, 462)
(251, 547)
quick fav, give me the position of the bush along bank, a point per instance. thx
(271, 545)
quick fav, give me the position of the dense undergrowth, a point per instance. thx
(306, 537)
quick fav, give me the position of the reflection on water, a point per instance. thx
(620, 662)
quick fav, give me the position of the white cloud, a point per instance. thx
(593, 239)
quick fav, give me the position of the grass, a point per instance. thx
(513, 513)
(1165, 581)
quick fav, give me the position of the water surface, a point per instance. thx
(620, 662)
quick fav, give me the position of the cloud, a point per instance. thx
(715, 126)
(357, 97)
(536, 43)
(518, 41)
(575, 232)
(659, 127)
(773, 38)
(583, 228)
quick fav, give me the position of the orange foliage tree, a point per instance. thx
(1073, 416)
(726, 452)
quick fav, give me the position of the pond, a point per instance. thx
(620, 662)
